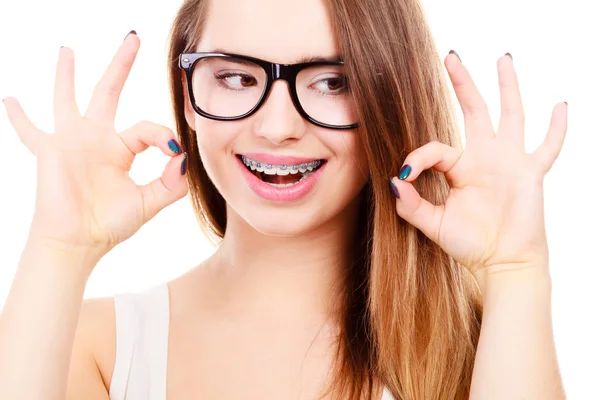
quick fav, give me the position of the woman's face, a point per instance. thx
(277, 135)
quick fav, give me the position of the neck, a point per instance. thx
(294, 278)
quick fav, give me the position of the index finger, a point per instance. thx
(105, 99)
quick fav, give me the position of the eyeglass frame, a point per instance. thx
(273, 72)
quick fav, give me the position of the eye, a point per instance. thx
(235, 80)
(331, 85)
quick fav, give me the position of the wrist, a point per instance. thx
(511, 278)
(80, 259)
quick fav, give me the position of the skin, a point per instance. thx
(278, 263)
(241, 293)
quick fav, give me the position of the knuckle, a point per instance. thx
(155, 130)
(166, 190)
(113, 91)
(166, 131)
(513, 113)
(144, 126)
(109, 91)
(436, 145)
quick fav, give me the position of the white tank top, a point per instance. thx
(142, 324)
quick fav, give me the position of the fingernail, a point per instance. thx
(394, 189)
(404, 172)
(184, 164)
(62, 47)
(456, 54)
(174, 146)
(563, 102)
(130, 32)
(510, 55)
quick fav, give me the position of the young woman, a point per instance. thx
(291, 119)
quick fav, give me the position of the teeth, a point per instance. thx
(269, 170)
(280, 169)
(283, 170)
(290, 184)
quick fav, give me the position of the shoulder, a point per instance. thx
(105, 321)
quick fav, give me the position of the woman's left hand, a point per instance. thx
(493, 218)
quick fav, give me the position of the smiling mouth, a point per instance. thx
(281, 175)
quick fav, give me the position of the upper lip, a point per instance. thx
(277, 159)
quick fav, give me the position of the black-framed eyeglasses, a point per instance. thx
(228, 87)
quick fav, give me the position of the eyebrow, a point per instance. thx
(301, 60)
(307, 59)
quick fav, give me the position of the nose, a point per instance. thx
(278, 120)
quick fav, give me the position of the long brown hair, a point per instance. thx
(412, 314)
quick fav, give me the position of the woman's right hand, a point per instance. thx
(85, 197)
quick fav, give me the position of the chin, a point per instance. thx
(289, 222)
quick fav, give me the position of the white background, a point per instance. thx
(555, 50)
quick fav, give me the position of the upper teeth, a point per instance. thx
(270, 169)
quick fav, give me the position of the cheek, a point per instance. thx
(215, 140)
(352, 157)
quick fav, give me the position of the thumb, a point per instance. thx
(409, 205)
(415, 210)
(167, 189)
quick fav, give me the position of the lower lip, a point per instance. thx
(282, 194)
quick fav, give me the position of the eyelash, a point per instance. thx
(224, 75)
(343, 90)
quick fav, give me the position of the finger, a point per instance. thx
(512, 117)
(475, 110)
(144, 134)
(65, 106)
(417, 211)
(436, 155)
(105, 99)
(167, 189)
(548, 151)
(29, 134)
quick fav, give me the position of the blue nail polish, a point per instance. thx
(184, 164)
(174, 146)
(404, 172)
(394, 189)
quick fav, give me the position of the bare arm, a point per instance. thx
(516, 356)
(37, 326)
(86, 204)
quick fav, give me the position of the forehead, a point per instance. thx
(275, 30)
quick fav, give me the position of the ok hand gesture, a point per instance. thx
(493, 218)
(85, 196)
